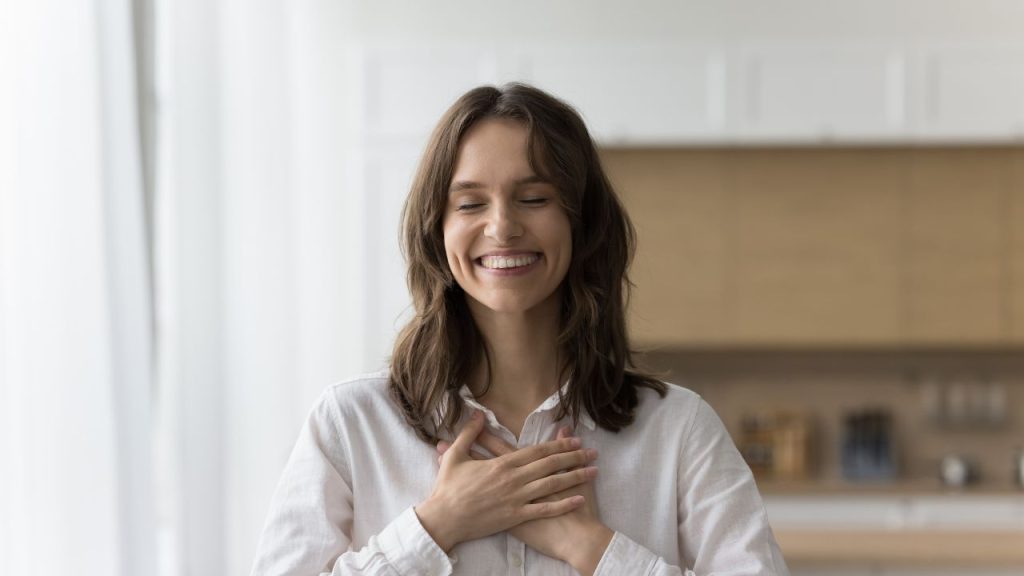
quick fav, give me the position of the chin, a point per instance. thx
(508, 307)
(503, 304)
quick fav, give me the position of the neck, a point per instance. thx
(522, 351)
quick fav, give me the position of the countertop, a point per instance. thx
(905, 547)
(922, 486)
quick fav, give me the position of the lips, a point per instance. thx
(508, 261)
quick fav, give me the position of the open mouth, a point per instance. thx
(509, 263)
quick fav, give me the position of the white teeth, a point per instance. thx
(508, 261)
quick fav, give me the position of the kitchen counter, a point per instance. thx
(917, 525)
(924, 486)
(903, 547)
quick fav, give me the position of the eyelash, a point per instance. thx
(530, 201)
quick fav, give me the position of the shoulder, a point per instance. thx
(677, 401)
(681, 410)
(357, 395)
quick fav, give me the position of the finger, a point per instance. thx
(563, 432)
(494, 445)
(443, 447)
(536, 510)
(556, 463)
(469, 433)
(558, 482)
(525, 456)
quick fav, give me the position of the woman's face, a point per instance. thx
(506, 235)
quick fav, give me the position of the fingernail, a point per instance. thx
(574, 442)
(590, 471)
(477, 414)
(591, 454)
(577, 499)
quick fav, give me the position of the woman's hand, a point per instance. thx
(476, 498)
(578, 536)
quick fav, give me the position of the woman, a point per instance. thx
(512, 385)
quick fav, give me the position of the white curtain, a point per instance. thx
(260, 257)
(75, 306)
(144, 421)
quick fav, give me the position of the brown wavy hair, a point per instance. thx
(438, 350)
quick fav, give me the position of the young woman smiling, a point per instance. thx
(478, 452)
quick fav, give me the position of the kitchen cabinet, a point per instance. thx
(777, 92)
(913, 534)
(956, 283)
(826, 247)
(403, 91)
(971, 92)
(1015, 238)
(833, 92)
(636, 94)
(680, 208)
(764, 92)
(813, 256)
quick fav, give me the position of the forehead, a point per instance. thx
(493, 147)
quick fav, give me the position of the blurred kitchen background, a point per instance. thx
(199, 231)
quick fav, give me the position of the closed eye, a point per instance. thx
(535, 201)
(468, 206)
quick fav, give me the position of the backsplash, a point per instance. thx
(828, 387)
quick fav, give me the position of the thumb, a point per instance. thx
(468, 434)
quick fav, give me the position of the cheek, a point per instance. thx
(455, 247)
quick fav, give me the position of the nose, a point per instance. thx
(502, 225)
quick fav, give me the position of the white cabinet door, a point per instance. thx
(973, 93)
(811, 93)
(405, 90)
(637, 95)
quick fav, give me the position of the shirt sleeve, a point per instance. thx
(723, 527)
(624, 556)
(309, 526)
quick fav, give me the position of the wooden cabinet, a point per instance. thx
(955, 260)
(680, 209)
(818, 247)
(1015, 256)
(812, 237)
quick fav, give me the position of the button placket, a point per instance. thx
(516, 555)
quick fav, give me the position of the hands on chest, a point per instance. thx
(543, 495)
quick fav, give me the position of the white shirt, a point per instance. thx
(672, 486)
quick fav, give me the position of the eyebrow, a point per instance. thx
(470, 185)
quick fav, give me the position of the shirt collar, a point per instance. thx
(551, 403)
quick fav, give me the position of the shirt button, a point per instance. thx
(454, 558)
(517, 561)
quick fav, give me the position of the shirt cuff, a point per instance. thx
(624, 556)
(410, 549)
